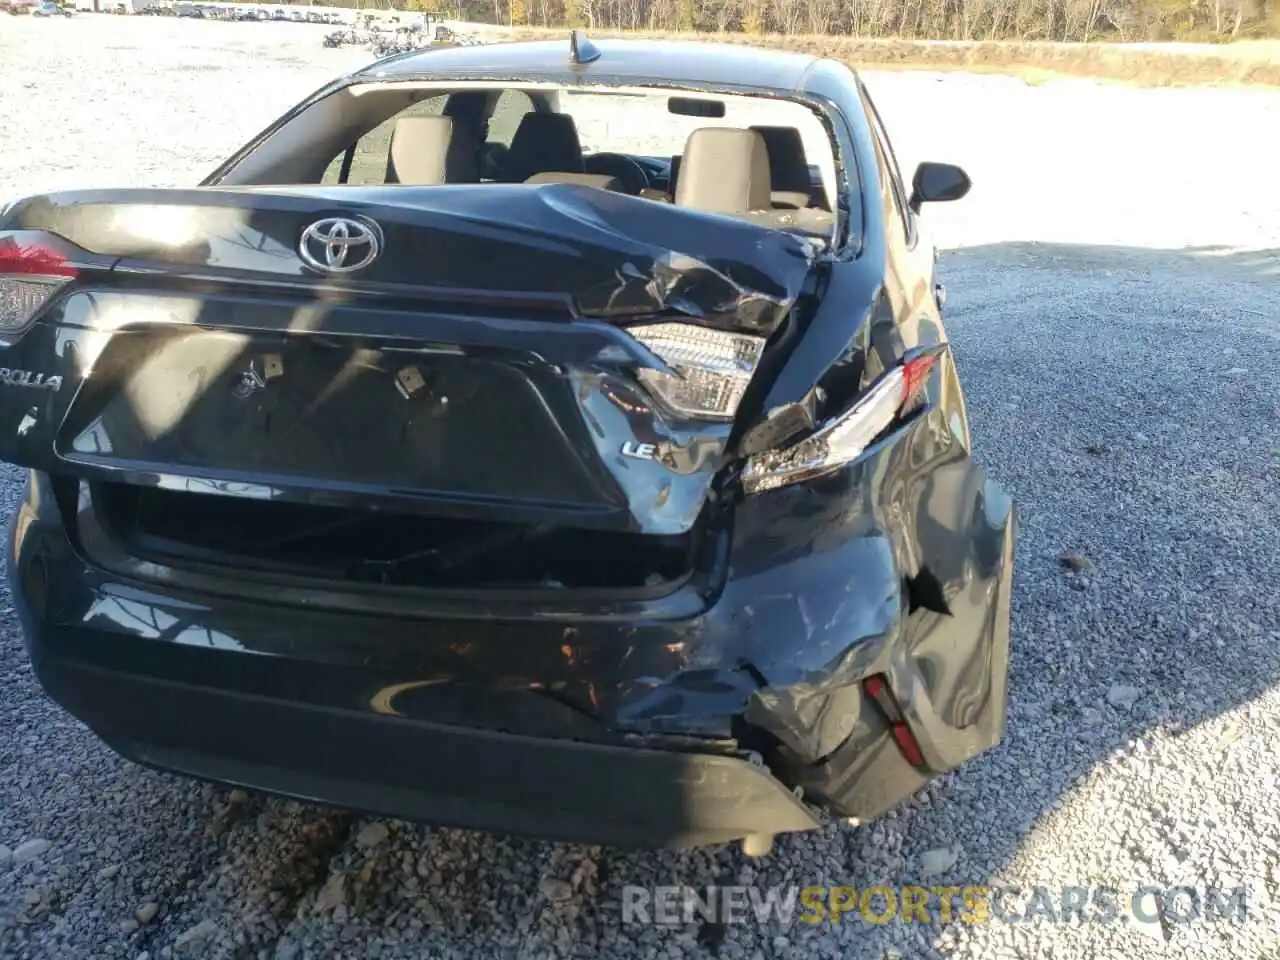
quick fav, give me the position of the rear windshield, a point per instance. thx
(635, 141)
(646, 125)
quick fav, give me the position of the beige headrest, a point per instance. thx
(724, 170)
(788, 166)
(431, 150)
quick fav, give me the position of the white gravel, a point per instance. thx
(1122, 388)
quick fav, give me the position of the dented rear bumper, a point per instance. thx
(454, 776)
(640, 721)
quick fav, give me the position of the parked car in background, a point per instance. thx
(47, 8)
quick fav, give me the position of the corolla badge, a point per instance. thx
(29, 378)
(340, 244)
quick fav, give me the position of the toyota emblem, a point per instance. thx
(340, 244)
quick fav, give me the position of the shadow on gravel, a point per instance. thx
(1127, 398)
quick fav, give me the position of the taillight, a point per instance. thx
(32, 270)
(711, 368)
(844, 438)
(877, 688)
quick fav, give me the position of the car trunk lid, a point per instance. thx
(479, 371)
(562, 249)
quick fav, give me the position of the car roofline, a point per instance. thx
(576, 84)
(692, 65)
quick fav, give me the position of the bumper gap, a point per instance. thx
(380, 547)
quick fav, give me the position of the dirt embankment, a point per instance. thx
(1148, 64)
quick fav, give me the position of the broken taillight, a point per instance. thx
(711, 368)
(32, 271)
(844, 438)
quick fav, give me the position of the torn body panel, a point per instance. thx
(820, 598)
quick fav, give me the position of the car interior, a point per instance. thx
(759, 172)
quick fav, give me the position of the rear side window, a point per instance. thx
(368, 160)
(885, 149)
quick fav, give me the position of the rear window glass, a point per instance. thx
(623, 123)
(651, 127)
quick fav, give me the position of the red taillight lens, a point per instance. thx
(32, 270)
(31, 253)
(914, 374)
(877, 688)
(906, 742)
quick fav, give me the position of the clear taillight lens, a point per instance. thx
(22, 297)
(712, 368)
(844, 438)
(32, 270)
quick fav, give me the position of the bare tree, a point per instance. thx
(1063, 20)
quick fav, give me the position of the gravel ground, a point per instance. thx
(1122, 388)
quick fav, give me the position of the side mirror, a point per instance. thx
(937, 183)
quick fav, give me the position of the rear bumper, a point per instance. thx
(418, 770)
(635, 724)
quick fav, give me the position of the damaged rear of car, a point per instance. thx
(553, 479)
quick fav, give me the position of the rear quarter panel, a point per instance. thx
(949, 529)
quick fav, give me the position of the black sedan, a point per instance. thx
(425, 461)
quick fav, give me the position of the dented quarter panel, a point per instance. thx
(848, 543)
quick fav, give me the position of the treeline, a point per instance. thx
(1061, 20)
(1057, 20)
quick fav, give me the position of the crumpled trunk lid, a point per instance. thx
(592, 252)
(477, 369)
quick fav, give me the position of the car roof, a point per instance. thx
(621, 62)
